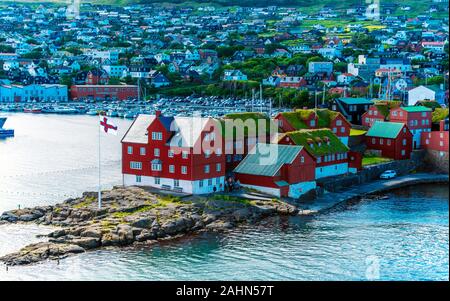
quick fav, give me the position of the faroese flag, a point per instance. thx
(107, 126)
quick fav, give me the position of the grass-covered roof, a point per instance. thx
(432, 104)
(318, 142)
(384, 106)
(244, 117)
(297, 118)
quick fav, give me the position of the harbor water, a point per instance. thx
(403, 237)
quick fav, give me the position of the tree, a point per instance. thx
(66, 80)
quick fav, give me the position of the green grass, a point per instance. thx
(354, 132)
(228, 198)
(374, 160)
(85, 203)
(315, 141)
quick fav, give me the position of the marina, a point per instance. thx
(179, 106)
(307, 246)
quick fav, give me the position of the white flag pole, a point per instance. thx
(99, 170)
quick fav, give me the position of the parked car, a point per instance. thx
(388, 174)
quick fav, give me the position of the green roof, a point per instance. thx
(298, 117)
(356, 101)
(244, 116)
(429, 104)
(318, 142)
(385, 129)
(416, 109)
(384, 106)
(267, 159)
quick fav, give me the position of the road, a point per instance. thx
(331, 199)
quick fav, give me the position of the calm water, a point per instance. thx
(403, 238)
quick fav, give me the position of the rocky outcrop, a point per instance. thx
(132, 216)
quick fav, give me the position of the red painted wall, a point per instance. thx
(407, 117)
(101, 91)
(372, 115)
(436, 140)
(394, 150)
(194, 162)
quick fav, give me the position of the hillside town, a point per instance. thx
(343, 88)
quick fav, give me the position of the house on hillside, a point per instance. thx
(390, 140)
(234, 75)
(420, 93)
(279, 170)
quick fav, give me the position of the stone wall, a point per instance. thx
(438, 161)
(370, 173)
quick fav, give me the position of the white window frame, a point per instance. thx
(135, 165)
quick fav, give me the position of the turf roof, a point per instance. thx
(244, 116)
(315, 141)
(298, 117)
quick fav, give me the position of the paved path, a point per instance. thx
(331, 199)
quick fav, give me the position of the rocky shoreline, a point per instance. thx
(132, 215)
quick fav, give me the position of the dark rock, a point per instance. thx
(86, 242)
(143, 223)
(91, 232)
(242, 214)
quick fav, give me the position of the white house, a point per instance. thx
(115, 70)
(420, 93)
(345, 78)
(234, 75)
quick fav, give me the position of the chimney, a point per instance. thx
(442, 125)
(158, 113)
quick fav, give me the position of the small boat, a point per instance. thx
(65, 110)
(32, 110)
(112, 113)
(5, 133)
(92, 112)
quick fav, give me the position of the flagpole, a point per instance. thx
(99, 171)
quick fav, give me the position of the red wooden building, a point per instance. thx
(103, 92)
(244, 135)
(279, 170)
(175, 153)
(329, 153)
(379, 112)
(390, 139)
(375, 113)
(315, 119)
(437, 140)
(417, 118)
